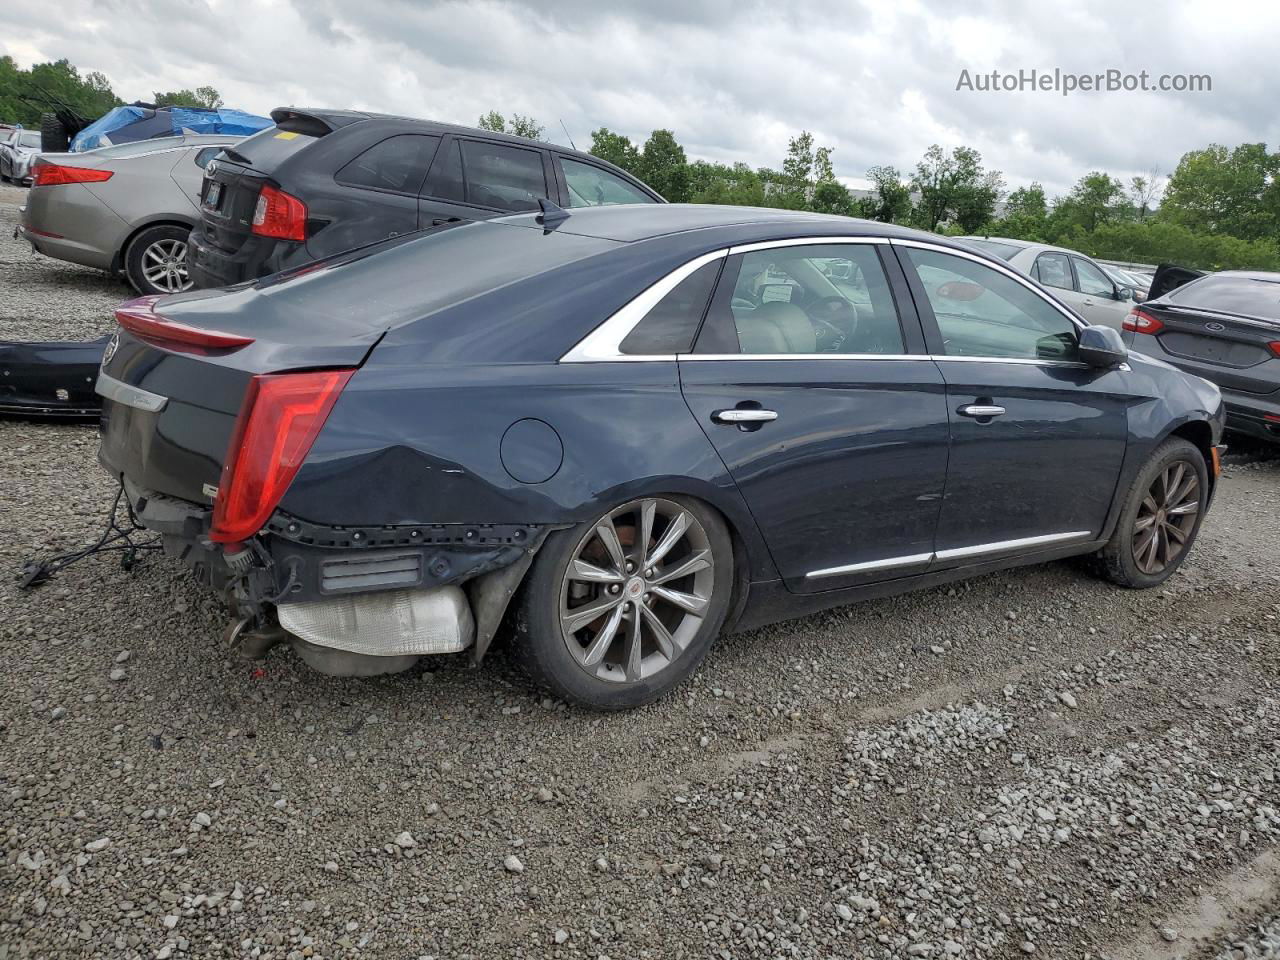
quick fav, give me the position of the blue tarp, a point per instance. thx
(129, 123)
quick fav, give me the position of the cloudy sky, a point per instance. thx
(734, 79)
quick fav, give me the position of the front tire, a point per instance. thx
(1161, 517)
(156, 260)
(619, 610)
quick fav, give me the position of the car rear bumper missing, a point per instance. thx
(51, 380)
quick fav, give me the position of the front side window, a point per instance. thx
(397, 164)
(1053, 270)
(1093, 281)
(589, 186)
(671, 325)
(813, 299)
(984, 313)
(503, 177)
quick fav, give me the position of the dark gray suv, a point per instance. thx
(321, 182)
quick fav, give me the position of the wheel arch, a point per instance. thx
(1200, 434)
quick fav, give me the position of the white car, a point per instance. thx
(1072, 277)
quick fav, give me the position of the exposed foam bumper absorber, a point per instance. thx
(383, 632)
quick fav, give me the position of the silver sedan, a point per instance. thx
(18, 150)
(126, 209)
(1070, 276)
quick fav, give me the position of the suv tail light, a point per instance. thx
(1139, 321)
(279, 214)
(1275, 347)
(53, 174)
(139, 317)
(280, 420)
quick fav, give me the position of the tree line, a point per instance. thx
(26, 94)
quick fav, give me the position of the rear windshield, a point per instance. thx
(393, 281)
(1005, 251)
(31, 139)
(268, 148)
(1246, 296)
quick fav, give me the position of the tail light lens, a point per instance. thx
(1275, 347)
(1139, 321)
(280, 215)
(53, 174)
(139, 317)
(280, 420)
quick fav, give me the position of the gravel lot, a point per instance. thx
(1029, 763)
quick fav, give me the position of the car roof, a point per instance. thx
(1267, 275)
(648, 221)
(341, 118)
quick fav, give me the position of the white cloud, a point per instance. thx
(734, 79)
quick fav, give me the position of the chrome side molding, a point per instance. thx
(955, 553)
(121, 392)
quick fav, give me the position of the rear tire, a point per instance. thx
(662, 597)
(53, 135)
(1161, 517)
(156, 260)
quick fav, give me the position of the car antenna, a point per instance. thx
(566, 133)
(551, 215)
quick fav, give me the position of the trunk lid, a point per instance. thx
(169, 409)
(1233, 352)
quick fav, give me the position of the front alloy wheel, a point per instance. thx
(164, 265)
(1166, 518)
(622, 608)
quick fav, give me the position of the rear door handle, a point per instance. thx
(981, 410)
(744, 416)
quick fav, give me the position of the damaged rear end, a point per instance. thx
(211, 403)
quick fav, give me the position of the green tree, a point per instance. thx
(1096, 198)
(954, 187)
(522, 126)
(494, 121)
(832, 196)
(1026, 213)
(26, 94)
(1220, 190)
(199, 97)
(209, 97)
(663, 166)
(890, 201)
(616, 149)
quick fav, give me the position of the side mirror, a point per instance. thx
(1124, 293)
(1101, 347)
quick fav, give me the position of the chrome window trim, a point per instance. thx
(802, 242)
(604, 343)
(999, 268)
(955, 553)
(130, 396)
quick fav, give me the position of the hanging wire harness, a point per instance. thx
(123, 535)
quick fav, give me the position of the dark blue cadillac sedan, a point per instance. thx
(626, 430)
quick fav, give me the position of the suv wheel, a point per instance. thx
(1160, 518)
(619, 610)
(156, 261)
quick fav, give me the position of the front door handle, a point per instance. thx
(744, 416)
(981, 410)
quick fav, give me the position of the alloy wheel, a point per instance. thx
(1166, 518)
(636, 590)
(164, 264)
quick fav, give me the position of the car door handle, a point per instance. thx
(744, 416)
(981, 410)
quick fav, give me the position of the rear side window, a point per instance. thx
(1053, 270)
(589, 186)
(673, 322)
(397, 163)
(1246, 296)
(503, 177)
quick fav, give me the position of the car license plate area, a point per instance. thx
(213, 195)
(1212, 350)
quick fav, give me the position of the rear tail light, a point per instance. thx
(280, 420)
(1139, 321)
(1275, 347)
(281, 215)
(53, 174)
(139, 317)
